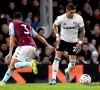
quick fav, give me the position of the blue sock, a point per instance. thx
(7, 75)
(22, 64)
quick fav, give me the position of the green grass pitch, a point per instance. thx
(45, 86)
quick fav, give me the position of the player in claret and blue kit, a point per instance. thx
(23, 34)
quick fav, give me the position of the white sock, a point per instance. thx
(70, 66)
(55, 67)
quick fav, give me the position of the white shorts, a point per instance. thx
(24, 53)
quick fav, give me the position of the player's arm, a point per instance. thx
(12, 37)
(56, 24)
(82, 33)
(82, 30)
(55, 28)
(36, 35)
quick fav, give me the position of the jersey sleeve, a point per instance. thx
(81, 22)
(34, 33)
(11, 29)
(58, 21)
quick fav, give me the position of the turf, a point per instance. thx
(58, 86)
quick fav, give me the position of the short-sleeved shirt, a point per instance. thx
(69, 27)
(23, 32)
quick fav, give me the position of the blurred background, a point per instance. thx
(41, 14)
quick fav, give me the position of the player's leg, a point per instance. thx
(9, 72)
(72, 57)
(55, 66)
(16, 62)
(25, 59)
(71, 65)
(32, 64)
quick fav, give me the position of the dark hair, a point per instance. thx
(85, 44)
(4, 42)
(70, 7)
(17, 15)
(40, 30)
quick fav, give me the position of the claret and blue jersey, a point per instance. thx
(23, 32)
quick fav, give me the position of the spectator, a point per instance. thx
(38, 43)
(11, 9)
(35, 7)
(88, 32)
(84, 55)
(9, 20)
(5, 30)
(60, 10)
(96, 34)
(48, 53)
(54, 44)
(93, 42)
(91, 47)
(55, 9)
(52, 38)
(65, 58)
(29, 18)
(64, 61)
(87, 11)
(40, 31)
(95, 17)
(29, 15)
(98, 49)
(79, 12)
(8, 42)
(38, 53)
(95, 58)
(4, 49)
(46, 60)
(36, 22)
(28, 21)
(92, 3)
(99, 5)
(1, 58)
(1, 38)
(3, 19)
(24, 8)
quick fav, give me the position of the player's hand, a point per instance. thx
(51, 48)
(8, 57)
(58, 39)
(78, 47)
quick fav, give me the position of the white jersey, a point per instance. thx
(69, 27)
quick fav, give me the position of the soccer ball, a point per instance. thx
(85, 79)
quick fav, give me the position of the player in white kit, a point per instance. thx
(68, 39)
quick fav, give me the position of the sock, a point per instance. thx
(7, 75)
(55, 67)
(22, 64)
(70, 65)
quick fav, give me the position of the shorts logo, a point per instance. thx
(74, 49)
(57, 46)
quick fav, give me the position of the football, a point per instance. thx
(85, 79)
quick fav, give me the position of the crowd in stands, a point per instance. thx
(88, 9)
